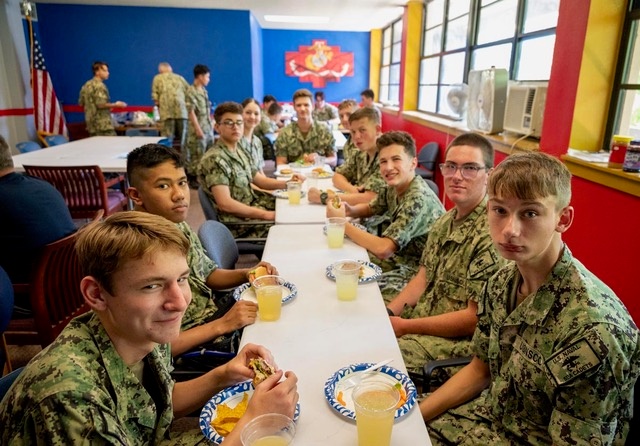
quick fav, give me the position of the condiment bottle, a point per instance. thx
(619, 145)
(632, 158)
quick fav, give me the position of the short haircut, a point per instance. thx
(104, 246)
(530, 176)
(269, 98)
(302, 93)
(227, 107)
(6, 159)
(97, 65)
(368, 93)
(347, 103)
(249, 101)
(319, 95)
(148, 157)
(478, 141)
(274, 109)
(200, 69)
(397, 137)
(365, 112)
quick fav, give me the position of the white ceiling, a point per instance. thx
(344, 15)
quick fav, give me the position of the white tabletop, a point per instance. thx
(107, 152)
(305, 212)
(317, 334)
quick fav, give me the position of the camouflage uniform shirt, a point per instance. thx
(348, 150)
(326, 113)
(563, 363)
(169, 91)
(93, 94)
(266, 126)
(202, 306)
(458, 259)
(221, 166)
(254, 151)
(197, 99)
(292, 144)
(362, 171)
(410, 219)
(78, 390)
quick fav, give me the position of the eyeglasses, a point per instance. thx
(229, 123)
(468, 171)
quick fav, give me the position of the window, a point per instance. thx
(463, 35)
(625, 101)
(390, 67)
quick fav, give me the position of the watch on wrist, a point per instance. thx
(323, 197)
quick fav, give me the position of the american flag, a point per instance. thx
(46, 108)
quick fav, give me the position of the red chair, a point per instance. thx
(84, 189)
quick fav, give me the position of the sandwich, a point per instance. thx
(262, 370)
(335, 201)
(286, 171)
(257, 272)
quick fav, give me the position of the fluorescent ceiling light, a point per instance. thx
(296, 19)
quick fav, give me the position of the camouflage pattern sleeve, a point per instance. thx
(415, 213)
(326, 143)
(349, 169)
(286, 143)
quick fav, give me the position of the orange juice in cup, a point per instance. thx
(375, 403)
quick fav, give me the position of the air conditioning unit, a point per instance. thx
(487, 97)
(525, 109)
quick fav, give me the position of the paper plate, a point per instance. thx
(372, 272)
(232, 397)
(334, 385)
(246, 292)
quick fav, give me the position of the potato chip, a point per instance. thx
(227, 418)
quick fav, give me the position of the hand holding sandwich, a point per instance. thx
(337, 207)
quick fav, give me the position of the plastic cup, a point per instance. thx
(269, 293)
(312, 180)
(335, 231)
(375, 403)
(294, 191)
(347, 273)
(271, 429)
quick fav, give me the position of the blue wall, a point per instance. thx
(244, 59)
(277, 42)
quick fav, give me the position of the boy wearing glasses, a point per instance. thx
(305, 139)
(434, 316)
(226, 173)
(411, 208)
(555, 349)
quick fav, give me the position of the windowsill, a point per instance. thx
(505, 142)
(593, 167)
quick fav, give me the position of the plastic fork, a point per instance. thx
(355, 380)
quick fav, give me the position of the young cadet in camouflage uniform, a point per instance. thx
(359, 177)
(105, 379)
(268, 128)
(305, 139)
(345, 109)
(441, 301)
(368, 100)
(323, 111)
(249, 142)
(558, 350)
(200, 132)
(168, 91)
(411, 206)
(159, 186)
(227, 174)
(94, 97)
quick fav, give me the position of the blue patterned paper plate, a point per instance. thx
(231, 396)
(282, 193)
(245, 292)
(372, 272)
(335, 384)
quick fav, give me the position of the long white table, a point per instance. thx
(107, 152)
(317, 334)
